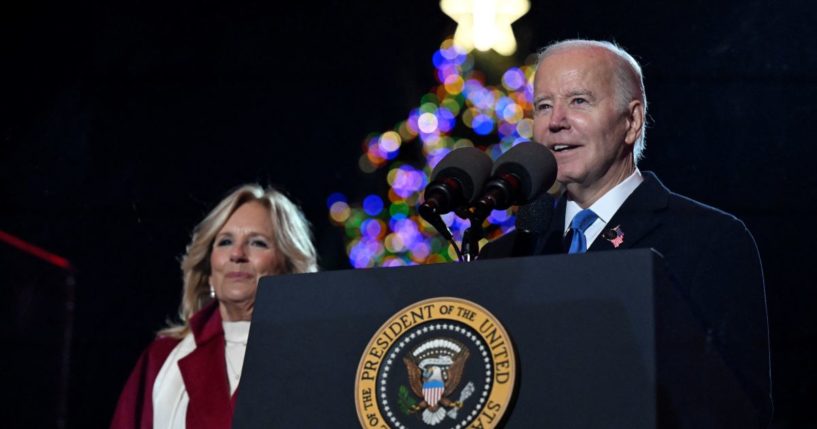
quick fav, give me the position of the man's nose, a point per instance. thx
(558, 119)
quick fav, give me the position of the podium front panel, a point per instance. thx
(583, 327)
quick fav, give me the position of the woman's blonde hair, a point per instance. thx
(292, 240)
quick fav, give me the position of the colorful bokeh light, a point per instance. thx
(462, 110)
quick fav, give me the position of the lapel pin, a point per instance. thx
(614, 236)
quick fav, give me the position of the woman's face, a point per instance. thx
(242, 252)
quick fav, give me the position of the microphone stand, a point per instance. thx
(472, 235)
(469, 249)
(431, 215)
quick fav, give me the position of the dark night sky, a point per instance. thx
(122, 123)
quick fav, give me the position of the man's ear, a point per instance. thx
(635, 122)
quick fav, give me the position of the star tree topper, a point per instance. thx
(485, 24)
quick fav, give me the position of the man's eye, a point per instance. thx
(542, 106)
(579, 100)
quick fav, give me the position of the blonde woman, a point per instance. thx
(188, 375)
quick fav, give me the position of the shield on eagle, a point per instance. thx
(435, 369)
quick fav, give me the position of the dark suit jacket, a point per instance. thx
(712, 259)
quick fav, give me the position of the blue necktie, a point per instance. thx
(579, 224)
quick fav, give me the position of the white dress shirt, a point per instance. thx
(235, 339)
(605, 207)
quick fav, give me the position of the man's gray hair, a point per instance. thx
(629, 79)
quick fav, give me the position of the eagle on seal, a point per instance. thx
(434, 373)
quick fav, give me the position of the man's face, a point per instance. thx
(579, 118)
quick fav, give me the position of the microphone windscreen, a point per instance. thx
(469, 166)
(533, 164)
(535, 216)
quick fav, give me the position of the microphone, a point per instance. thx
(535, 216)
(455, 182)
(518, 176)
(532, 222)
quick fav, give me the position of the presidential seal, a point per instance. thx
(438, 363)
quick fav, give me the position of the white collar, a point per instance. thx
(606, 206)
(236, 332)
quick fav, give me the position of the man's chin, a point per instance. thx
(566, 179)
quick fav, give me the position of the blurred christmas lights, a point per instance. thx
(386, 230)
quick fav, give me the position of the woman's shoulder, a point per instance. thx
(135, 407)
(159, 349)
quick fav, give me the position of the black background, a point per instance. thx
(122, 123)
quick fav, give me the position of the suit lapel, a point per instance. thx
(636, 217)
(205, 374)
